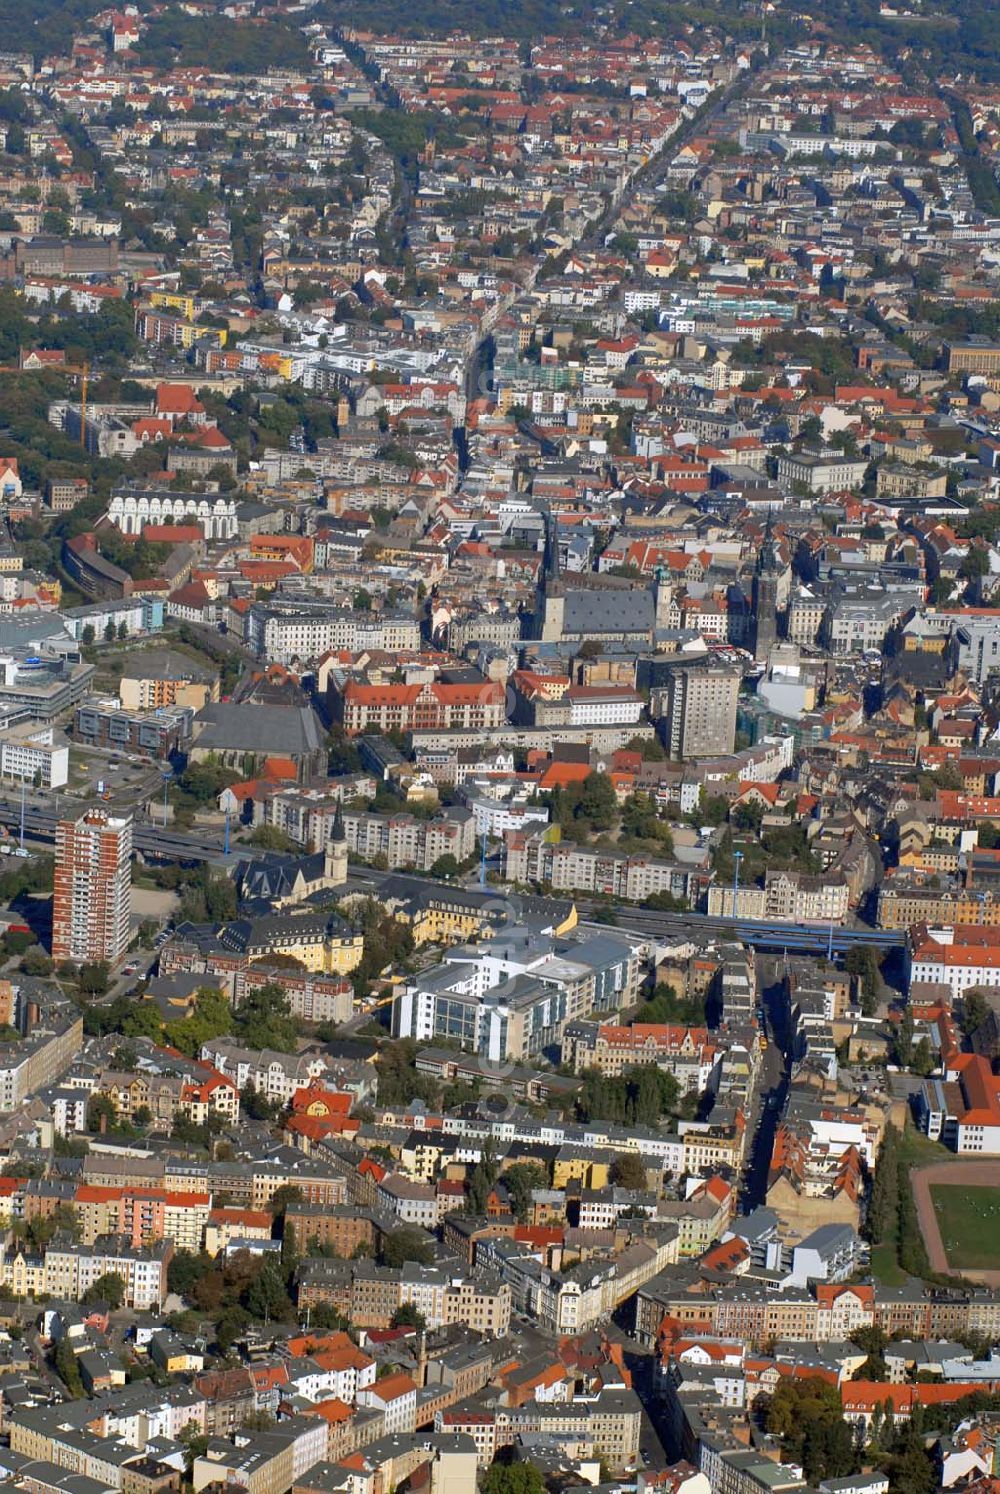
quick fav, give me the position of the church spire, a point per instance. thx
(335, 856)
(551, 547)
(767, 555)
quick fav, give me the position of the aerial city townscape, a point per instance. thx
(500, 747)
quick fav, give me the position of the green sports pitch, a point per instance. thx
(969, 1221)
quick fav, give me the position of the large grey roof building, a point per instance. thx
(233, 733)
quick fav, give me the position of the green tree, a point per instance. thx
(67, 1368)
(923, 1061)
(326, 1317)
(204, 782)
(408, 1316)
(975, 563)
(640, 1096)
(398, 1080)
(862, 961)
(34, 875)
(910, 1468)
(36, 962)
(627, 1171)
(881, 1217)
(289, 1251)
(108, 1288)
(43, 1228)
(666, 902)
(911, 1252)
(873, 1341)
(512, 1478)
(388, 942)
(141, 1019)
(270, 838)
(185, 1269)
(211, 1018)
(640, 818)
(263, 1019)
(265, 1297)
(808, 1417)
(193, 1133)
(520, 1181)
(975, 1010)
(195, 1443)
(287, 1195)
(407, 1244)
(233, 1322)
(597, 801)
(666, 1006)
(748, 817)
(903, 1040)
(101, 1113)
(94, 978)
(481, 1180)
(257, 1106)
(343, 755)
(713, 809)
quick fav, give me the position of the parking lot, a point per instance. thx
(122, 778)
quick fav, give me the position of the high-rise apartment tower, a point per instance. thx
(92, 894)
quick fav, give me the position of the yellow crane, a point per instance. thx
(83, 371)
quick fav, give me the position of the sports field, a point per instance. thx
(969, 1221)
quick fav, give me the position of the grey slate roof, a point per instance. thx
(596, 611)
(165, 664)
(279, 730)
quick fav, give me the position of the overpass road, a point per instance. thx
(652, 923)
(795, 937)
(178, 845)
(149, 839)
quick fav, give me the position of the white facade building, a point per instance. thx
(935, 956)
(32, 754)
(495, 816)
(286, 633)
(397, 1399)
(215, 513)
(590, 705)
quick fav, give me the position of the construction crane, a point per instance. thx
(84, 372)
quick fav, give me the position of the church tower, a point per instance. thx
(764, 608)
(552, 596)
(335, 861)
(663, 595)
